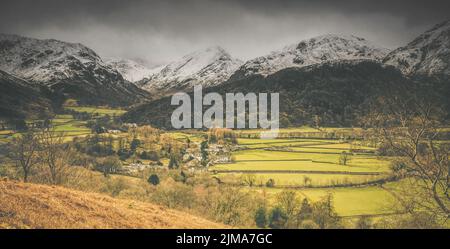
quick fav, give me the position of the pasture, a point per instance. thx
(312, 167)
(97, 110)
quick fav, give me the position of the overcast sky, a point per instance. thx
(161, 31)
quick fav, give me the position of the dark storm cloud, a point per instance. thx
(413, 11)
(164, 30)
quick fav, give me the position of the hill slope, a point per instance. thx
(24, 205)
(20, 99)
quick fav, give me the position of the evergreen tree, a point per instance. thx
(277, 218)
(305, 212)
(204, 152)
(183, 177)
(173, 163)
(153, 179)
(261, 217)
(134, 144)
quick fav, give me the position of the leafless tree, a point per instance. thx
(249, 180)
(409, 124)
(56, 154)
(24, 152)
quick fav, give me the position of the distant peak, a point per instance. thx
(211, 50)
(209, 54)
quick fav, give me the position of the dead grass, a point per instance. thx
(26, 205)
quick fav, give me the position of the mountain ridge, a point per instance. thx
(428, 54)
(71, 70)
(315, 50)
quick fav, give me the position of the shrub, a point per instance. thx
(270, 183)
(149, 155)
(308, 224)
(174, 195)
(108, 165)
(114, 186)
(153, 179)
(364, 222)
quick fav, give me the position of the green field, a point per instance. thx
(98, 110)
(300, 180)
(271, 143)
(311, 167)
(185, 136)
(305, 129)
(65, 123)
(297, 166)
(350, 201)
(308, 159)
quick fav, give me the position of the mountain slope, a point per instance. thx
(20, 99)
(69, 69)
(25, 205)
(428, 54)
(336, 91)
(207, 67)
(312, 51)
(131, 70)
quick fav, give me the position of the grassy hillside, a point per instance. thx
(40, 206)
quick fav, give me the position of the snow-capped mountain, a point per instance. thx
(46, 60)
(428, 54)
(313, 51)
(207, 67)
(131, 70)
(71, 69)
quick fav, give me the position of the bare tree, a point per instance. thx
(409, 125)
(56, 154)
(24, 152)
(249, 179)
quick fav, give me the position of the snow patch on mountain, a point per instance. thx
(428, 54)
(131, 70)
(206, 67)
(313, 51)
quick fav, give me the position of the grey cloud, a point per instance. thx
(160, 31)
